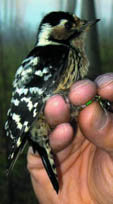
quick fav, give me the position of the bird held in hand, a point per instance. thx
(54, 64)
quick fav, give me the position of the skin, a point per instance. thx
(84, 159)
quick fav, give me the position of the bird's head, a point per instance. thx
(61, 27)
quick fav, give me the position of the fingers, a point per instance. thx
(105, 86)
(97, 124)
(58, 114)
(57, 110)
(82, 91)
(92, 119)
(61, 137)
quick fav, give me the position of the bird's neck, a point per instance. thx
(78, 44)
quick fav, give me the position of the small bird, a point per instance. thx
(57, 60)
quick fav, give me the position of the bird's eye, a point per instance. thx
(68, 25)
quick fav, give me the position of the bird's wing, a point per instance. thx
(24, 108)
(34, 80)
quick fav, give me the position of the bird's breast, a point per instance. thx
(70, 74)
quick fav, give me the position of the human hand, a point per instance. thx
(84, 159)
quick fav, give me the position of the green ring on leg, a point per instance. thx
(89, 102)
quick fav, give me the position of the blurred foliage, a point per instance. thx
(106, 50)
(17, 188)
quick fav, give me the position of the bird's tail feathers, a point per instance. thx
(49, 165)
(14, 156)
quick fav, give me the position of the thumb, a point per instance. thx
(97, 125)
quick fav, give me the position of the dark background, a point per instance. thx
(18, 27)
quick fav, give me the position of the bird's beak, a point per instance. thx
(87, 25)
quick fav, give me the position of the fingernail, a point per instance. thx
(104, 79)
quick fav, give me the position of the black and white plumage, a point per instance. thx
(57, 60)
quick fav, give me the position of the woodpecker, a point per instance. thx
(57, 60)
